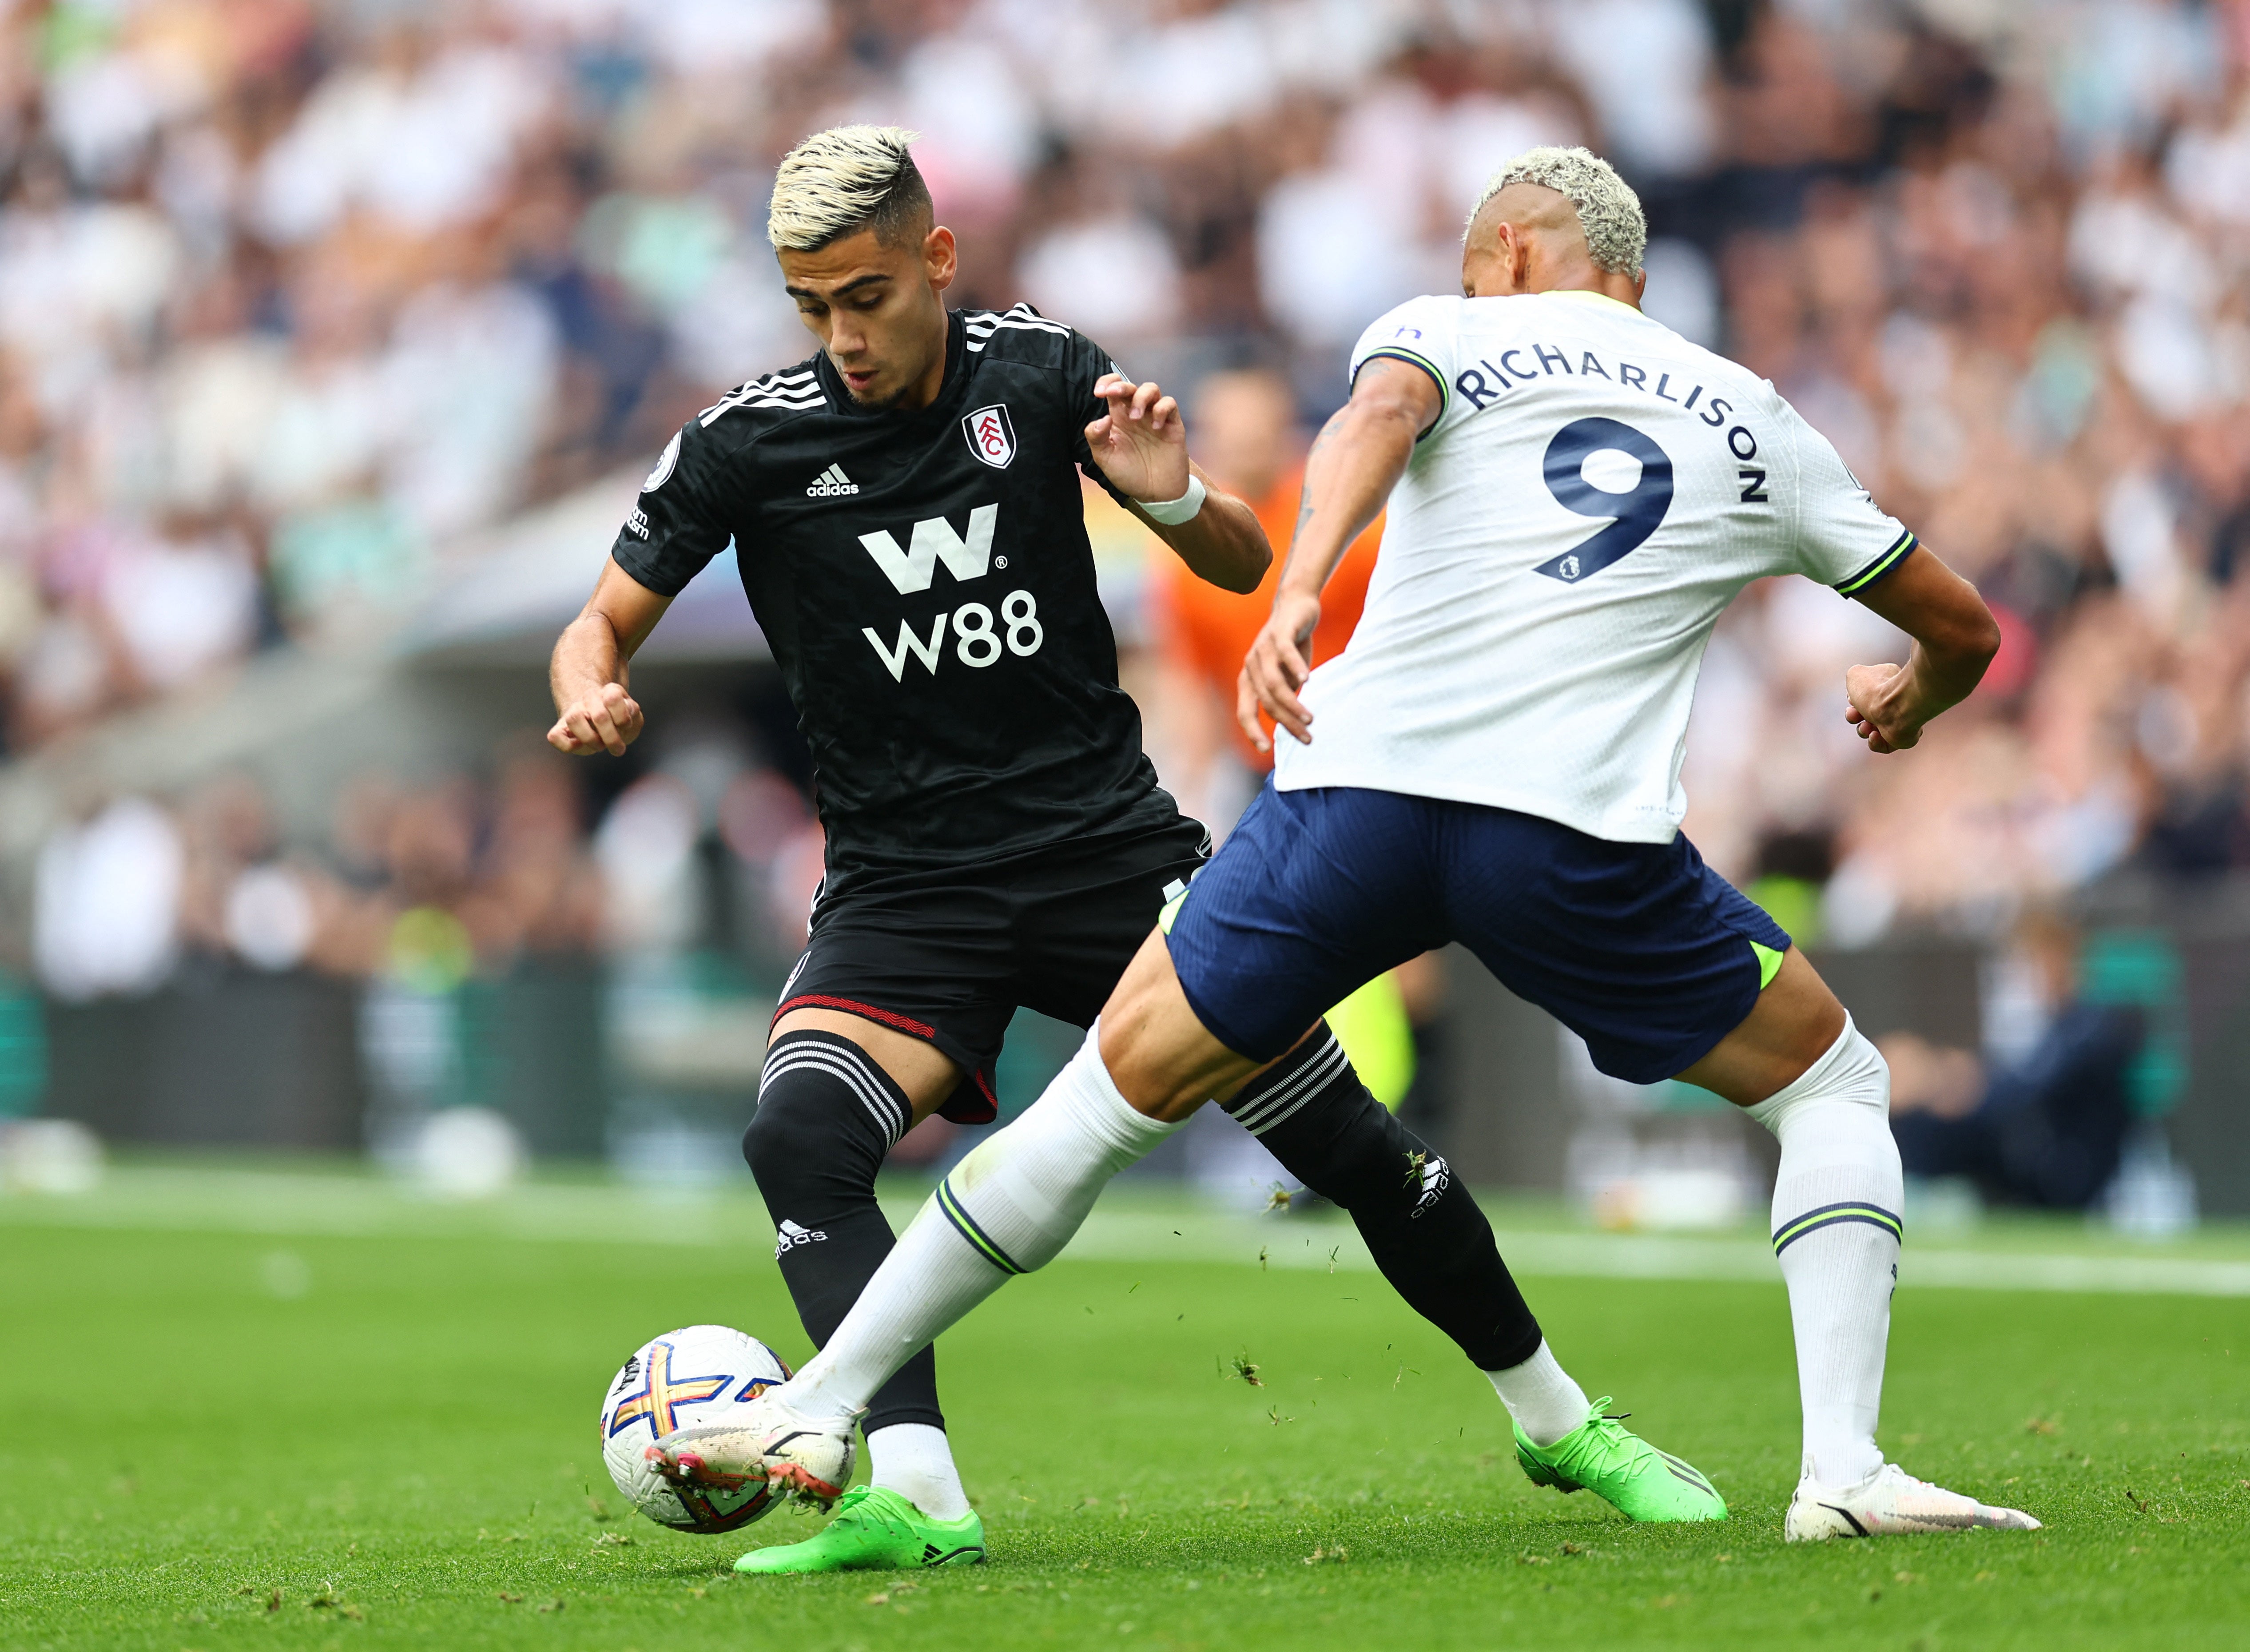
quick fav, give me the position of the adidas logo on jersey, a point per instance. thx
(789, 1235)
(831, 483)
(1435, 1176)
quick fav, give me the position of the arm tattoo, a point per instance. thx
(1305, 508)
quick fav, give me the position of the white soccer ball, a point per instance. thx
(685, 1379)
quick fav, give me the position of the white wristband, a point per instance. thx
(1172, 512)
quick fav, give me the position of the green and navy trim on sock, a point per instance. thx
(1900, 548)
(966, 1226)
(1828, 1215)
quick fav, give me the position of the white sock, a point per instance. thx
(913, 1460)
(1542, 1397)
(1008, 1207)
(1836, 1229)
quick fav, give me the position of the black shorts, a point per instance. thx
(951, 963)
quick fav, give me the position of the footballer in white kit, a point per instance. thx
(1576, 493)
(1594, 492)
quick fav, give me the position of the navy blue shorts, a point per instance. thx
(1641, 949)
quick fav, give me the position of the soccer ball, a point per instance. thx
(683, 1379)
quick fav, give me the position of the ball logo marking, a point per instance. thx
(661, 1393)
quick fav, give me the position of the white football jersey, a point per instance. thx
(1594, 492)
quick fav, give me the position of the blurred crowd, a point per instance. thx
(2009, 284)
(297, 297)
(422, 886)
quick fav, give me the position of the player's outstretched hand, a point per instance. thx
(1879, 706)
(604, 719)
(1278, 663)
(1140, 443)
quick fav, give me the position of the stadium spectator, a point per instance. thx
(2047, 1130)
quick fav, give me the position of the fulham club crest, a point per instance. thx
(992, 437)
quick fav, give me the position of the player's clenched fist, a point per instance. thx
(603, 719)
(1879, 708)
(1276, 667)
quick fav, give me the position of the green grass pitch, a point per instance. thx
(353, 1432)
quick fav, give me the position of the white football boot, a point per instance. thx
(809, 1457)
(1889, 1500)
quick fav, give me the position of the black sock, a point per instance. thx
(827, 1116)
(1429, 1237)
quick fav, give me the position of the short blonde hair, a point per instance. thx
(1616, 229)
(842, 180)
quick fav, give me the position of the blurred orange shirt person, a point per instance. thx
(1243, 432)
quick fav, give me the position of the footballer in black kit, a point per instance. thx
(907, 515)
(996, 837)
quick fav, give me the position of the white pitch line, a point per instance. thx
(275, 1205)
(1594, 1255)
(2128, 1276)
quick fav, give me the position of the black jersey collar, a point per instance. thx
(957, 358)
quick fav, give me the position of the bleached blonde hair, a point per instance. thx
(840, 181)
(1616, 229)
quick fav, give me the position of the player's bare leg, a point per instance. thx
(1800, 1068)
(925, 1072)
(1792, 1025)
(1161, 1059)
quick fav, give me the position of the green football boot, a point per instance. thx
(875, 1531)
(1601, 1456)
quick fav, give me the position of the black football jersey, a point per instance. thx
(924, 581)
